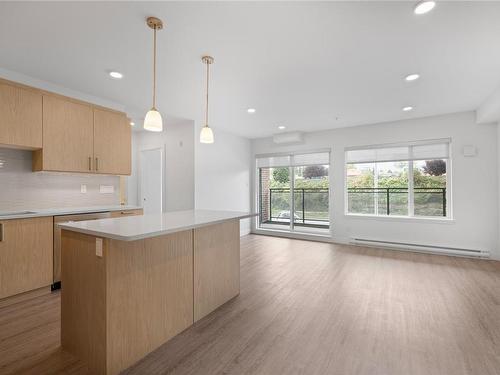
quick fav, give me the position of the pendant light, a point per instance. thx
(206, 134)
(153, 121)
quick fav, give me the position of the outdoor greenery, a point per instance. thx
(430, 174)
(312, 190)
(309, 204)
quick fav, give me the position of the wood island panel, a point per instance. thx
(216, 266)
(119, 307)
(83, 300)
(150, 295)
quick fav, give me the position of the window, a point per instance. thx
(402, 180)
(293, 191)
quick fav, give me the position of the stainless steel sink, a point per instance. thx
(16, 213)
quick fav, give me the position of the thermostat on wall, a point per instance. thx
(469, 151)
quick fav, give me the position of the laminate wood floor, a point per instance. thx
(309, 308)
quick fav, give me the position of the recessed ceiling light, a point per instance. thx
(408, 108)
(412, 77)
(132, 123)
(423, 7)
(281, 127)
(251, 110)
(116, 75)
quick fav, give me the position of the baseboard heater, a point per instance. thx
(421, 248)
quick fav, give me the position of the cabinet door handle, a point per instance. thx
(96, 164)
(90, 163)
(1, 232)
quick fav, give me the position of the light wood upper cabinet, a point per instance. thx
(20, 117)
(25, 255)
(112, 142)
(67, 135)
(68, 138)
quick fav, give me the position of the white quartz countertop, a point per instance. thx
(24, 214)
(133, 228)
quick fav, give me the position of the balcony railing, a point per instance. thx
(311, 204)
(394, 201)
(311, 207)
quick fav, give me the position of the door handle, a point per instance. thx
(1, 232)
(96, 164)
(90, 163)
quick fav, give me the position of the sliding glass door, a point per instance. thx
(293, 192)
(275, 197)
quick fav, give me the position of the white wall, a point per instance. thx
(498, 191)
(132, 184)
(475, 181)
(212, 177)
(222, 175)
(177, 140)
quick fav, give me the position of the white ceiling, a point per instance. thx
(308, 66)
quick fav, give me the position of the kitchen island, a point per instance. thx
(130, 284)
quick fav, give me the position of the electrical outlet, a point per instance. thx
(83, 188)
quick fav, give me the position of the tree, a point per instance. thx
(281, 175)
(435, 167)
(313, 171)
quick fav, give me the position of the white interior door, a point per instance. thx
(152, 180)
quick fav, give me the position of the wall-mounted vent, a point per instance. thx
(287, 138)
(421, 248)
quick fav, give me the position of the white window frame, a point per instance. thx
(411, 202)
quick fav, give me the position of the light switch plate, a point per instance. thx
(106, 189)
(98, 247)
(83, 188)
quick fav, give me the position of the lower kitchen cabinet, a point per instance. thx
(25, 255)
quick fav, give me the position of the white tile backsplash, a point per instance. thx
(20, 188)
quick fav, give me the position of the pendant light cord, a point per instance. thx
(154, 69)
(208, 79)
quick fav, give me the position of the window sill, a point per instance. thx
(433, 220)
